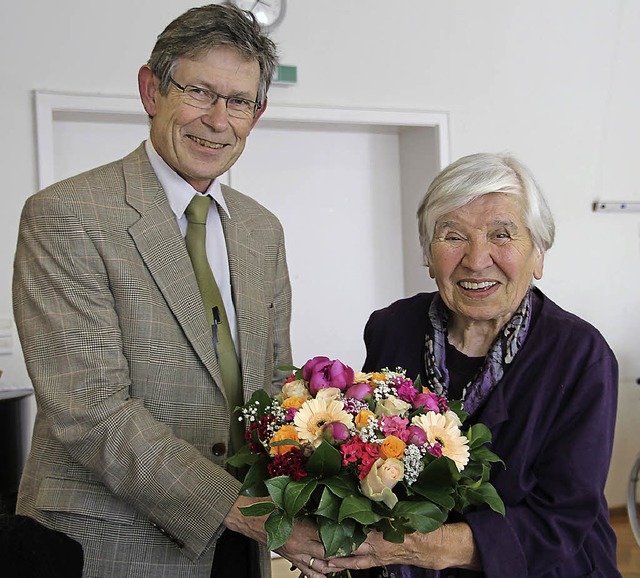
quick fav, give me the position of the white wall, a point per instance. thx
(554, 81)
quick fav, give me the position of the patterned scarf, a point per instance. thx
(502, 351)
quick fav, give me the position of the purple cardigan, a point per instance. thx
(552, 418)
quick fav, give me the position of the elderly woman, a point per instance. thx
(543, 380)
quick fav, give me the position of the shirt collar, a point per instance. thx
(179, 192)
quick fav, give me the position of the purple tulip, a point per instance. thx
(416, 435)
(358, 391)
(427, 401)
(335, 432)
(322, 372)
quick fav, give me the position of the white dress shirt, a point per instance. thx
(180, 193)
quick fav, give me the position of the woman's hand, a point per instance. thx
(450, 546)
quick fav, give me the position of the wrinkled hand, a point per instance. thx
(450, 546)
(303, 549)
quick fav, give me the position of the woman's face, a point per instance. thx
(483, 259)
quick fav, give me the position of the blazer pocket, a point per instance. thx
(84, 498)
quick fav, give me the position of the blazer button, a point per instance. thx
(219, 449)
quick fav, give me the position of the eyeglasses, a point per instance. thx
(204, 98)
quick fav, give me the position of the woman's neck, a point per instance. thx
(473, 338)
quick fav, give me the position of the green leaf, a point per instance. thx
(359, 509)
(288, 368)
(436, 482)
(243, 457)
(456, 407)
(333, 536)
(325, 461)
(340, 539)
(486, 493)
(478, 435)
(329, 505)
(278, 527)
(286, 443)
(260, 400)
(253, 484)
(393, 531)
(276, 487)
(258, 509)
(485, 455)
(297, 494)
(341, 485)
(422, 516)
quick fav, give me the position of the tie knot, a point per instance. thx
(198, 208)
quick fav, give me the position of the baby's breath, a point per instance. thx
(413, 464)
(250, 412)
(369, 433)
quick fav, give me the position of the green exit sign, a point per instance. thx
(285, 75)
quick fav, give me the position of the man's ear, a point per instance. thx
(148, 86)
(259, 113)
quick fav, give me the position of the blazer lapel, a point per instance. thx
(162, 248)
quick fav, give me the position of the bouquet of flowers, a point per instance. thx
(357, 452)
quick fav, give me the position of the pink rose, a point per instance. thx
(322, 372)
(382, 477)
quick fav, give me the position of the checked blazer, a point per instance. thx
(132, 424)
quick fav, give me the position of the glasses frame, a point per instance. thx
(216, 96)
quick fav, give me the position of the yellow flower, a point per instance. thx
(314, 414)
(443, 429)
(286, 432)
(377, 378)
(293, 402)
(362, 419)
(392, 447)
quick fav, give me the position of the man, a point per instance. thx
(134, 416)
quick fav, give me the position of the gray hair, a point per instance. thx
(200, 29)
(480, 174)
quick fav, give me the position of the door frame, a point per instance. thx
(49, 104)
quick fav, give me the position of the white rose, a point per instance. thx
(328, 393)
(295, 388)
(392, 406)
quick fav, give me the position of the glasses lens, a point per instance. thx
(200, 97)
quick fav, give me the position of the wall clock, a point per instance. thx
(268, 13)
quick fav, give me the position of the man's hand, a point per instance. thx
(303, 549)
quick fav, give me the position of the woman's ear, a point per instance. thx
(538, 266)
(148, 86)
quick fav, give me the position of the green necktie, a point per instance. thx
(196, 214)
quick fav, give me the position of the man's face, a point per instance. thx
(201, 144)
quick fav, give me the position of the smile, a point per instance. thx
(476, 286)
(206, 143)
